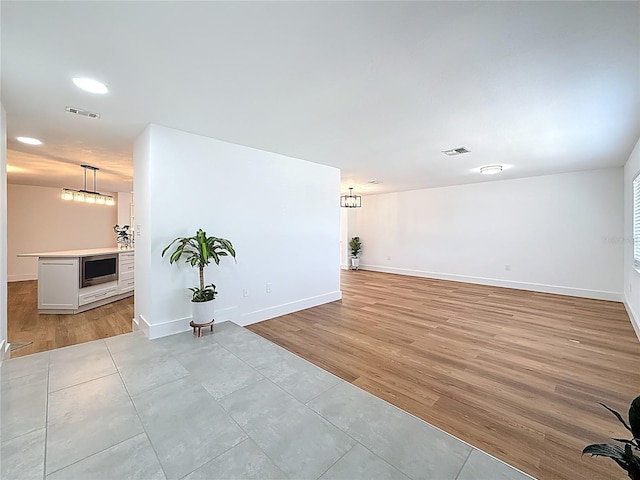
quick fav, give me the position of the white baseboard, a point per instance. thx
(535, 287)
(286, 308)
(5, 352)
(635, 320)
(22, 277)
(178, 325)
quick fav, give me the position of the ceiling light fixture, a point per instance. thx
(85, 195)
(351, 200)
(90, 85)
(455, 151)
(82, 112)
(29, 140)
(490, 169)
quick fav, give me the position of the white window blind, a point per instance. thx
(636, 222)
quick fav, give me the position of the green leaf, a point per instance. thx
(634, 417)
(198, 251)
(618, 416)
(605, 450)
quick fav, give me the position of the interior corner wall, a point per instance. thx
(631, 275)
(556, 233)
(4, 341)
(280, 213)
(39, 221)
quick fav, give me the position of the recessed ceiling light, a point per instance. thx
(490, 169)
(29, 140)
(90, 85)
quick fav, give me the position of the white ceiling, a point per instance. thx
(377, 89)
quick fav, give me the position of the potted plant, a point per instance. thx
(356, 246)
(123, 236)
(199, 250)
(627, 455)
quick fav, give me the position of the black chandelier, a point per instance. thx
(351, 200)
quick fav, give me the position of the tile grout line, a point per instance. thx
(94, 454)
(137, 413)
(464, 463)
(339, 458)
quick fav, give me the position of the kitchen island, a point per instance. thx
(74, 281)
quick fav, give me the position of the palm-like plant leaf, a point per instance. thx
(625, 456)
(618, 416)
(634, 417)
(198, 251)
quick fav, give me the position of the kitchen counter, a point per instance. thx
(87, 252)
(73, 281)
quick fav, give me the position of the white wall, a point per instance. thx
(558, 233)
(631, 275)
(38, 220)
(281, 214)
(4, 344)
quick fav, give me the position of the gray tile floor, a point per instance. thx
(229, 405)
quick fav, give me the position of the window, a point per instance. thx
(636, 222)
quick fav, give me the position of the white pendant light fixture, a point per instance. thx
(87, 196)
(490, 169)
(351, 200)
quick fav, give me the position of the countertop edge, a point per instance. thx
(87, 252)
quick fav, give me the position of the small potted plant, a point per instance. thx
(123, 236)
(199, 250)
(356, 247)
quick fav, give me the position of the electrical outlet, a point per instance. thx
(245, 292)
(389, 257)
(507, 267)
(269, 287)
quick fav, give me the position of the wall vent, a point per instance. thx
(455, 151)
(84, 113)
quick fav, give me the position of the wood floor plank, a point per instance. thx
(517, 374)
(47, 332)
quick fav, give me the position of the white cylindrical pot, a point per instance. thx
(202, 312)
(355, 262)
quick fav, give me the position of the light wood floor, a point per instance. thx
(515, 373)
(47, 332)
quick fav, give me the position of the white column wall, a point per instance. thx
(555, 233)
(282, 215)
(4, 342)
(631, 275)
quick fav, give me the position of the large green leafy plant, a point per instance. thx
(198, 251)
(627, 456)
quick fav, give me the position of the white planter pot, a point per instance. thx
(355, 263)
(202, 312)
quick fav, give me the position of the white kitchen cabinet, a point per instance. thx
(58, 283)
(96, 293)
(126, 267)
(59, 280)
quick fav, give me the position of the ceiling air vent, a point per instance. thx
(84, 113)
(455, 151)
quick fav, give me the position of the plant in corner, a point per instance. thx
(356, 247)
(627, 457)
(199, 250)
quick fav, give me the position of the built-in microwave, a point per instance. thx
(98, 269)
